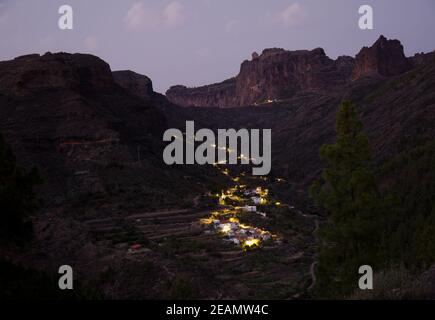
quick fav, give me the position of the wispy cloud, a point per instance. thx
(291, 15)
(141, 17)
(135, 16)
(173, 14)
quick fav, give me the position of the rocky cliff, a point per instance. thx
(217, 95)
(30, 73)
(278, 74)
(275, 74)
(385, 58)
(65, 114)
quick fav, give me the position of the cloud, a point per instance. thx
(291, 15)
(140, 17)
(173, 14)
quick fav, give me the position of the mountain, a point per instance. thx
(395, 99)
(96, 137)
(278, 74)
(385, 58)
(65, 114)
(92, 133)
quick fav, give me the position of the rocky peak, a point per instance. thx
(277, 74)
(133, 82)
(385, 58)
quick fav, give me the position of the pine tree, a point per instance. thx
(349, 195)
(17, 197)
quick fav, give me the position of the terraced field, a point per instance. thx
(195, 261)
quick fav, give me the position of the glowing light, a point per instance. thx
(206, 221)
(244, 226)
(251, 243)
(226, 220)
(225, 228)
(234, 220)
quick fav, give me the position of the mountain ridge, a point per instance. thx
(277, 74)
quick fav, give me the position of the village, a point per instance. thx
(233, 203)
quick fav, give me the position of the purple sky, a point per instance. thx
(196, 42)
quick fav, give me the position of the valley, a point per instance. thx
(133, 227)
(215, 249)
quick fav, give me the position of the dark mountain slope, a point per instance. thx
(65, 114)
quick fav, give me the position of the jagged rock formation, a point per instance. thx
(385, 58)
(273, 75)
(278, 74)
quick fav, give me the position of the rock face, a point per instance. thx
(133, 82)
(273, 75)
(30, 73)
(278, 74)
(65, 114)
(385, 58)
(216, 95)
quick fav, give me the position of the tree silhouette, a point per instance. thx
(17, 197)
(349, 195)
